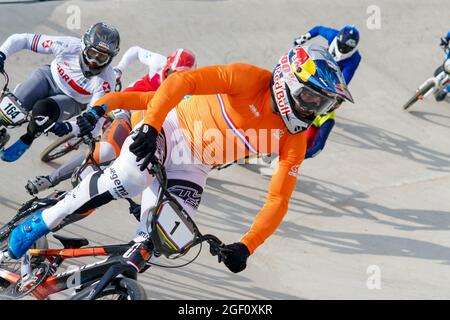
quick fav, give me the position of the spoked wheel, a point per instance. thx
(418, 95)
(118, 289)
(7, 290)
(61, 147)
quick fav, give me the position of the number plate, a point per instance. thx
(10, 111)
(173, 228)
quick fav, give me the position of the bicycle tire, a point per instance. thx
(123, 288)
(416, 96)
(438, 70)
(47, 155)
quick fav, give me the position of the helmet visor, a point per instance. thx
(96, 58)
(344, 48)
(310, 103)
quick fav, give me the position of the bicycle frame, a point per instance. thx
(160, 240)
(124, 259)
(54, 283)
(437, 83)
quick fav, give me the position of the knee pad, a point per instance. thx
(45, 112)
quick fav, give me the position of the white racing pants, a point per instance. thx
(123, 178)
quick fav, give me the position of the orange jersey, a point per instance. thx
(235, 101)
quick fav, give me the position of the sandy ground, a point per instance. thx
(375, 199)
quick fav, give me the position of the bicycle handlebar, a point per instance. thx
(6, 76)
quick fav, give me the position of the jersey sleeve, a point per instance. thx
(232, 79)
(125, 100)
(321, 139)
(325, 32)
(281, 186)
(152, 60)
(350, 67)
(39, 43)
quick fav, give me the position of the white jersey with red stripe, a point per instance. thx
(65, 68)
(154, 61)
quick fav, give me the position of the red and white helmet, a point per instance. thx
(179, 60)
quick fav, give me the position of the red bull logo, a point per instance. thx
(280, 96)
(301, 57)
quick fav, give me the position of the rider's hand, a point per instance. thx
(235, 256)
(302, 39)
(86, 123)
(144, 145)
(62, 128)
(444, 42)
(2, 61)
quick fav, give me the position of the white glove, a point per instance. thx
(302, 39)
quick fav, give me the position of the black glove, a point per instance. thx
(444, 42)
(144, 145)
(86, 123)
(235, 256)
(2, 61)
(62, 128)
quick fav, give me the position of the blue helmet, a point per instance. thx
(347, 39)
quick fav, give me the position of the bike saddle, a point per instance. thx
(71, 243)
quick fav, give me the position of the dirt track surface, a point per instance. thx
(378, 195)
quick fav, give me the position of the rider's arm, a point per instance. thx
(352, 63)
(146, 57)
(327, 33)
(321, 139)
(280, 190)
(39, 43)
(125, 100)
(233, 79)
(75, 130)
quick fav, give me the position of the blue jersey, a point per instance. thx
(348, 66)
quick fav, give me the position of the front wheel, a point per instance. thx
(61, 147)
(438, 71)
(13, 266)
(420, 93)
(118, 289)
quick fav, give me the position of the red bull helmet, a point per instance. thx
(306, 83)
(179, 60)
